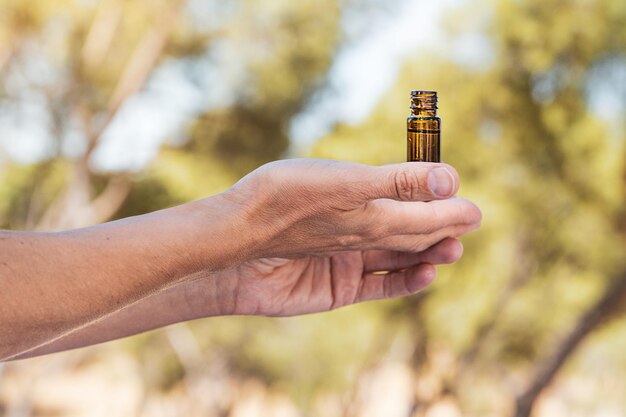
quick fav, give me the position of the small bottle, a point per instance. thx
(423, 128)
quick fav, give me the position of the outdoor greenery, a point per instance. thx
(530, 320)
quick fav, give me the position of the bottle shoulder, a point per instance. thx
(423, 122)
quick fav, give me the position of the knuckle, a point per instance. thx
(375, 231)
(421, 244)
(407, 185)
(349, 241)
(433, 221)
(376, 225)
(429, 228)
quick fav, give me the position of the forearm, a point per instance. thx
(182, 302)
(53, 284)
(293, 237)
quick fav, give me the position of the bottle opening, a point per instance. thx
(423, 100)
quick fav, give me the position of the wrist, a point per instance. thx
(214, 233)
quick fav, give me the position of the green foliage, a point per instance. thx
(285, 65)
(545, 169)
(547, 172)
(302, 355)
(27, 190)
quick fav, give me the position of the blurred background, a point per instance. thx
(119, 107)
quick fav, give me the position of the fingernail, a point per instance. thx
(441, 182)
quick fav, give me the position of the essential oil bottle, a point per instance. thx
(423, 128)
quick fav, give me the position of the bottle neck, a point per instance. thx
(423, 113)
(424, 103)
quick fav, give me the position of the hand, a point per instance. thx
(321, 230)
(293, 237)
(287, 287)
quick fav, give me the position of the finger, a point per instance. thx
(411, 181)
(396, 284)
(419, 243)
(396, 217)
(447, 251)
(356, 184)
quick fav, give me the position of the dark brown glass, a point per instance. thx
(423, 128)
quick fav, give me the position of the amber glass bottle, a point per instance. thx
(423, 128)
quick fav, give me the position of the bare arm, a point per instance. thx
(53, 284)
(187, 301)
(168, 306)
(294, 237)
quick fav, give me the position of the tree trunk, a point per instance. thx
(606, 309)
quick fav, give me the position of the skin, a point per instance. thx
(293, 237)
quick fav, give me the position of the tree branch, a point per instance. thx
(76, 208)
(144, 59)
(607, 308)
(520, 277)
(101, 34)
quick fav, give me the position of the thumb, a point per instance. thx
(412, 181)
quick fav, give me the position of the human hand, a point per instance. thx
(293, 237)
(320, 230)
